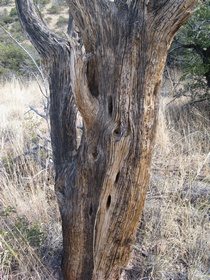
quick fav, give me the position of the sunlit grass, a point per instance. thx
(30, 228)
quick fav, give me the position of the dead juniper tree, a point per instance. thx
(109, 67)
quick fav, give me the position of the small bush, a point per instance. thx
(5, 17)
(62, 21)
(13, 12)
(48, 19)
(44, 2)
(14, 60)
(18, 236)
(54, 10)
(17, 31)
(12, 57)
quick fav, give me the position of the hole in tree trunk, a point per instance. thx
(92, 76)
(95, 153)
(117, 131)
(108, 203)
(117, 177)
(110, 105)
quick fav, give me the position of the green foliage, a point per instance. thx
(190, 52)
(43, 2)
(12, 58)
(7, 211)
(29, 233)
(48, 19)
(9, 20)
(16, 234)
(13, 12)
(17, 30)
(197, 28)
(6, 18)
(62, 21)
(54, 9)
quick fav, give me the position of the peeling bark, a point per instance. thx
(112, 75)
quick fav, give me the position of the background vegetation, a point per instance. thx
(173, 240)
(190, 54)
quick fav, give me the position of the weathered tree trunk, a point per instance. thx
(112, 75)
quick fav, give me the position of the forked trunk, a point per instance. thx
(113, 77)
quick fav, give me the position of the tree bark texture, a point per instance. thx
(111, 71)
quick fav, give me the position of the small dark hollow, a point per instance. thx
(95, 153)
(108, 203)
(91, 210)
(117, 131)
(117, 177)
(92, 76)
(110, 105)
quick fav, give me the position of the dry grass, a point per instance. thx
(30, 230)
(173, 241)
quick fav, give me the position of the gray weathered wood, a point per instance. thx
(111, 72)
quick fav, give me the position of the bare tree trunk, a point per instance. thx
(112, 75)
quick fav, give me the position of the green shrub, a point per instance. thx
(30, 233)
(17, 235)
(2, 71)
(13, 12)
(54, 10)
(14, 60)
(11, 57)
(44, 2)
(5, 18)
(17, 31)
(62, 21)
(48, 19)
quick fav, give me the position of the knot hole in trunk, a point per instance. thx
(117, 131)
(108, 202)
(110, 105)
(92, 76)
(117, 177)
(91, 210)
(122, 130)
(95, 153)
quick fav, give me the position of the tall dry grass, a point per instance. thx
(173, 240)
(30, 230)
